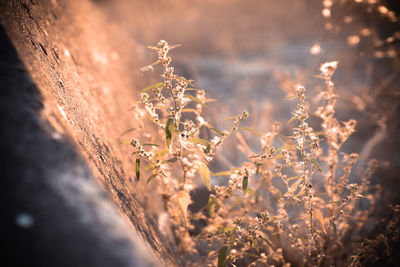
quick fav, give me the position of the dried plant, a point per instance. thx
(291, 202)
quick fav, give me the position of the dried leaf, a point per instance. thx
(320, 217)
(183, 201)
(293, 187)
(205, 174)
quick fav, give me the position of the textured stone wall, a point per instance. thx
(67, 81)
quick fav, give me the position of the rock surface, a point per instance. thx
(67, 196)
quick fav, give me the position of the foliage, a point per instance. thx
(292, 202)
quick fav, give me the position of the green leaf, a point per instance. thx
(290, 97)
(254, 243)
(320, 77)
(174, 159)
(205, 174)
(170, 131)
(292, 119)
(315, 162)
(151, 87)
(334, 227)
(161, 153)
(214, 129)
(268, 243)
(301, 257)
(148, 144)
(245, 184)
(152, 47)
(285, 147)
(151, 177)
(137, 169)
(221, 174)
(182, 79)
(250, 130)
(212, 202)
(199, 141)
(127, 131)
(173, 46)
(222, 256)
(189, 110)
(256, 156)
(236, 202)
(230, 118)
(195, 99)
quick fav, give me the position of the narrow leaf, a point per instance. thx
(151, 87)
(189, 110)
(137, 169)
(334, 227)
(205, 174)
(292, 119)
(285, 147)
(182, 79)
(174, 46)
(315, 162)
(320, 217)
(148, 144)
(170, 160)
(250, 130)
(293, 187)
(170, 131)
(200, 141)
(183, 201)
(221, 174)
(268, 243)
(195, 99)
(222, 256)
(301, 258)
(214, 129)
(151, 177)
(212, 201)
(245, 184)
(152, 47)
(230, 118)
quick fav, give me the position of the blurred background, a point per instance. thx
(250, 54)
